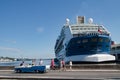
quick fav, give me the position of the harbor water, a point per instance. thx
(17, 63)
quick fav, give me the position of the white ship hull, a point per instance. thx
(91, 58)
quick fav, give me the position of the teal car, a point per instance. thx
(36, 69)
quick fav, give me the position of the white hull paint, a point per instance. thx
(91, 58)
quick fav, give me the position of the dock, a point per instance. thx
(78, 72)
(63, 75)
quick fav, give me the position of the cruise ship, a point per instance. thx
(83, 42)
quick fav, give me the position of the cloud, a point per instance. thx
(8, 49)
(40, 29)
(10, 41)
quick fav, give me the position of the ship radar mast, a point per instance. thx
(90, 20)
(67, 21)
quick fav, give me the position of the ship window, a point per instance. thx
(92, 28)
(73, 28)
(85, 40)
(107, 40)
(81, 28)
(94, 39)
(118, 47)
(99, 46)
(100, 40)
(78, 41)
(81, 47)
(72, 43)
(88, 28)
(76, 29)
(75, 35)
(113, 48)
(107, 46)
(93, 46)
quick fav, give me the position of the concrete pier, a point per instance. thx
(63, 75)
(96, 66)
(78, 72)
(6, 67)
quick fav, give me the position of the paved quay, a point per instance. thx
(79, 72)
(90, 74)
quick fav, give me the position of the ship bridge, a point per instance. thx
(89, 29)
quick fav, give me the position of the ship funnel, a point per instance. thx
(80, 19)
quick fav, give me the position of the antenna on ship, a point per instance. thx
(67, 21)
(90, 20)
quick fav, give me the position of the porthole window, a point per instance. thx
(100, 40)
(85, 40)
(94, 39)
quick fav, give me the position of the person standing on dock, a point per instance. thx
(70, 63)
(41, 62)
(52, 64)
(33, 62)
(21, 64)
(62, 65)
